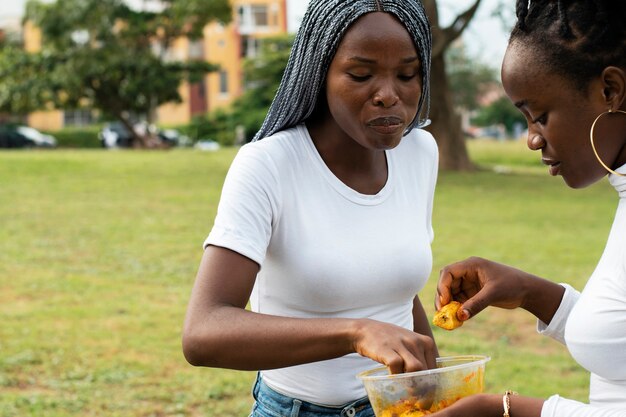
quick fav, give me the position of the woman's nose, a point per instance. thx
(385, 95)
(535, 141)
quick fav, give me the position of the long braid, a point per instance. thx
(602, 18)
(564, 29)
(521, 10)
(321, 30)
(583, 35)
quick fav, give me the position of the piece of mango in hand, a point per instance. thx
(446, 317)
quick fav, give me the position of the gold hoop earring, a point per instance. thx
(593, 146)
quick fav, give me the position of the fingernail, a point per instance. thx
(464, 314)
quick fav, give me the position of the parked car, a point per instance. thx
(207, 145)
(36, 137)
(16, 136)
(174, 137)
(117, 135)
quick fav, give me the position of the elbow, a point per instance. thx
(197, 350)
(190, 351)
(207, 341)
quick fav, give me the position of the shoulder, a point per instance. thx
(268, 163)
(417, 157)
(280, 148)
(421, 141)
(420, 147)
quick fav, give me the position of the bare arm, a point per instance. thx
(421, 323)
(219, 332)
(479, 283)
(490, 405)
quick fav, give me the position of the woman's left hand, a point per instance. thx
(479, 405)
(491, 405)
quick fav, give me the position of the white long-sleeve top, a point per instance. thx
(592, 324)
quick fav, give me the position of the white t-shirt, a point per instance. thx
(326, 250)
(592, 324)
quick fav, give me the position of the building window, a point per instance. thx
(196, 49)
(223, 82)
(80, 117)
(253, 18)
(241, 12)
(259, 16)
(250, 46)
(174, 55)
(201, 89)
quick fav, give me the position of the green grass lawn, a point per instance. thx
(98, 252)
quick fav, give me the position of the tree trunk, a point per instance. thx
(145, 141)
(446, 123)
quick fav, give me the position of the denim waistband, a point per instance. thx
(282, 405)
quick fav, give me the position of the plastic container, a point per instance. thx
(415, 394)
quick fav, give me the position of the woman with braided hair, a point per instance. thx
(324, 222)
(565, 69)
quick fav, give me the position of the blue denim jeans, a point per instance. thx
(270, 403)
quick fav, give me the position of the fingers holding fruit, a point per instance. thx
(478, 283)
(447, 316)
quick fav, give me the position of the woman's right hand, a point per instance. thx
(478, 283)
(401, 350)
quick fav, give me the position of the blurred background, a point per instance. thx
(157, 74)
(118, 122)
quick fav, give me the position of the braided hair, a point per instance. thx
(321, 30)
(582, 36)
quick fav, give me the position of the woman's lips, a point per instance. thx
(554, 167)
(386, 125)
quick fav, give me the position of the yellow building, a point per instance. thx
(224, 45)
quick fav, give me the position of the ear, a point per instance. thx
(614, 87)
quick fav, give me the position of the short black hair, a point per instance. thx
(574, 38)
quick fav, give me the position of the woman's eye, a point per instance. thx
(359, 78)
(541, 119)
(407, 77)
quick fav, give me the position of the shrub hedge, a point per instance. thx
(78, 137)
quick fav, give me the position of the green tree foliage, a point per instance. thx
(219, 125)
(262, 75)
(9, 38)
(25, 82)
(469, 78)
(107, 56)
(500, 111)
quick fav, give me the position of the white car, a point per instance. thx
(36, 137)
(207, 145)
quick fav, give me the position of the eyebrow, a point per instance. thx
(373, 61)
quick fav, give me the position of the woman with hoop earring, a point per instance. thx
(565, 70)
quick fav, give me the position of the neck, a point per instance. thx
(364, 170)
(621, 156)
